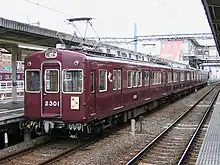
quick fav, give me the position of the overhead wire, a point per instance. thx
(54, 10)
(67, 15)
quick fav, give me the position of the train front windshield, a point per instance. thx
(32, 81)
(72, 81)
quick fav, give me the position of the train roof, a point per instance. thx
(100, 56)
(125, 61)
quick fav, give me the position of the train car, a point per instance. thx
(79, 92)
(6, 83)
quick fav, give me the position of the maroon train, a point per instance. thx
(80, 92)
(6, 84)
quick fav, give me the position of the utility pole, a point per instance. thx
(135, 37)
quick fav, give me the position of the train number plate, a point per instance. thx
(51, 103)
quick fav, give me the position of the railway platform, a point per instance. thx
(11, 112)
(209, 153)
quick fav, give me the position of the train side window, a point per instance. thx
(119, 79)
(154, 78)
(73, 81)
(102, 80)
(175, 77)
(181, 76)
(52, 80)
(114, 82)
(92, 82)
(139, 78)
(134, 79)
(32, 81)
(169, 77)
(129, 79)
(146, 78)
(164, 77)
(188, 76)
(157, 78)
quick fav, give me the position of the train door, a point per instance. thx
(117, 89)
(103, 98)
(92, 93)
(165, 86)
(51, 96)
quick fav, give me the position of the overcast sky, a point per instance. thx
(113, 17)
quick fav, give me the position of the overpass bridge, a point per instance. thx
(21, 38)
(25, 35)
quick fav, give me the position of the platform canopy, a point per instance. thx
(14, 32)
(212, 9)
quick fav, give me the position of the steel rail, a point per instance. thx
(26, 150)
(65, 153)
(139, 155)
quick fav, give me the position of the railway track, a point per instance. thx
(43, 153)
(47, 153)
(52, 151)
(172, 146)
(194, 149)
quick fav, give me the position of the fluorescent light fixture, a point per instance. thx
(31, 47)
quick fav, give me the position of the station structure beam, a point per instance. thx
(212, 10)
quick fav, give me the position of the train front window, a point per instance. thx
(52, 80)
(32, 81)
(72, 81)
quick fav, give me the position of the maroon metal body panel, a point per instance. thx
(94, 104)
(32, 101)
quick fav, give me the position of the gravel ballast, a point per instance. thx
(115, 147)
(21, 146)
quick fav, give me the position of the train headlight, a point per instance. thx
(29, 63)
(76, 63)
(51, 53)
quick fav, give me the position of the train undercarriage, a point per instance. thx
(72, 130)
(81, 130)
